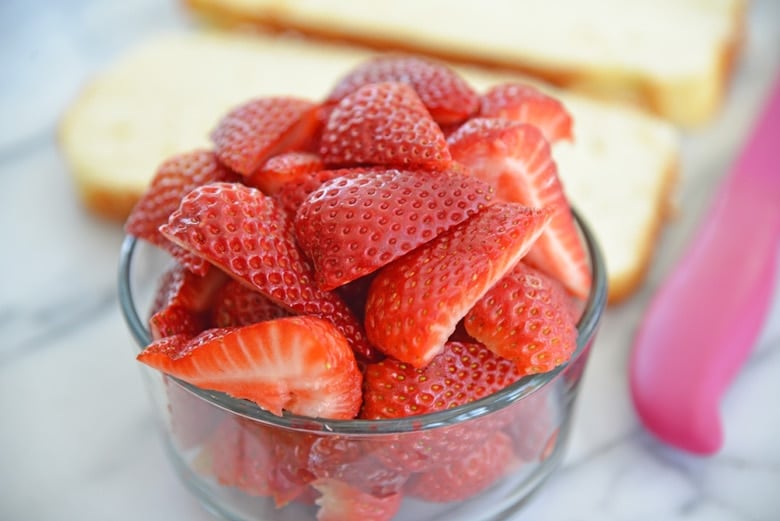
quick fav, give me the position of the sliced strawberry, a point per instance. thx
(292, 194)
(415, 303)
(461, 373)
(249, 236)
(526, 104)
(299, 364)
(283, 169)
(341, 502)
(353, 462)
(525, 317)
(444, 93)
(359, 222)
(467, 476)
(176, 320)
(173, 180)
(383, 124)
(253, 132)
(515, 158)
(238, 305)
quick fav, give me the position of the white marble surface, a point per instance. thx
(76, 437)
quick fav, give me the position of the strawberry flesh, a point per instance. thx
(299, 364)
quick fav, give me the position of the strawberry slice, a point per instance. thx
(461, 373)
(444, 93)
(359, 222)
(515, 159)
(300, 364)
(238, 305)
(249, 236)
(415, 303)
(261, 128)
(174, 178)
(341, 502)
(283, 169)
(383, 124)
(526, 104)
(467, 476)
(525, 317)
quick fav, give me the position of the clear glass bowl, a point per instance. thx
(245, 464)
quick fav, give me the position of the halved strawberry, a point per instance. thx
(415, 302)
(526, 104)
(467, 476)
(461, 373)
(261, 128)
(516, 159)
(283, 169)
(341, 502)
(525, 317)
(174, 179)
(249, 236)
(383, 124)
(236, 304)
(444, 93)
(300, 364)
(359, 222)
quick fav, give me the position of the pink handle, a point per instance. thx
(702, 324)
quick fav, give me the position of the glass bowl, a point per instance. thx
(245, 464)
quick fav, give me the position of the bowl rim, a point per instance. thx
(526, 386)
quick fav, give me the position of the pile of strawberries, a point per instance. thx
(403, 247)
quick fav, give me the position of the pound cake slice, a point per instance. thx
(672, 57)
(166, 96)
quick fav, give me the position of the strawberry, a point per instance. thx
(461, 373)
(352, 462)
(415, 303)
(467, 476)
(251, 133)
(359, 222)
(282, 169)
(525, 317)
(173, 180)
(446, 95)
(249, 236)
(182, 301)
(300, 364)
(516, 159)
(526, 104)
(293, 193)
(341, 502)
(383, 124)
(238, 305)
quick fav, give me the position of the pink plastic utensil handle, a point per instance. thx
(702, 324)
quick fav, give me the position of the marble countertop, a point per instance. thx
(77, 439)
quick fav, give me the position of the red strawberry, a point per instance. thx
(526, 104)
(467, 476)
(353, 462)
(261, 128)
(173, 180)
(238, 305)
(515, 158)
(283, 169)
(249, 236)
(182, 301)
(292, 194)
(415, 303)
(341, 502)
(359, 222)
(383, 124)
(525, 317)
(446, 95)
(300, 364)
(461, 373)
